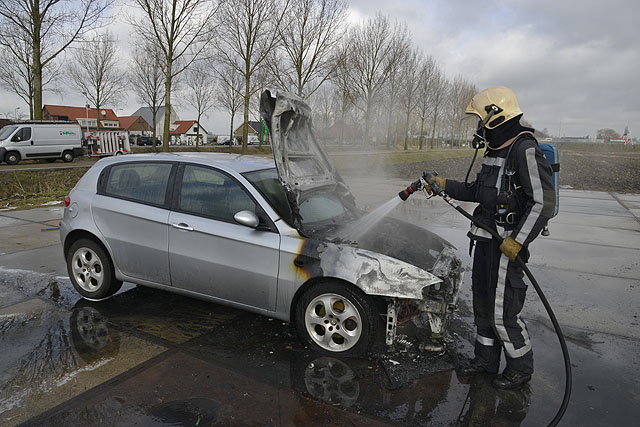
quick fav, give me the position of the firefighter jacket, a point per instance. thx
(518, 174)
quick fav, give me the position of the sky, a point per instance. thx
(573, 64)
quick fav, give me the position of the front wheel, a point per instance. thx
(12, 158)
(91, 270)
(336, 318)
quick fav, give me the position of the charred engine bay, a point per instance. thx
(392, 237)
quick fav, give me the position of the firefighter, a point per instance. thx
(516, 197)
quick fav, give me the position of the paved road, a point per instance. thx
(153, 358)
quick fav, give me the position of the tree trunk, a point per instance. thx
(367, 121)
(433, 126)
(389, 116)
(167, 110)
(231, 133)
(421, 131)
(406, 130)
(247, 98)
(154, 112)
(37, 73)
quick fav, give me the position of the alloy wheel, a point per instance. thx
(333, 322)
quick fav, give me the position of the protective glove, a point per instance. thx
(440, 182)
(510, 248)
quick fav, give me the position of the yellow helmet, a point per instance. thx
(494, 106)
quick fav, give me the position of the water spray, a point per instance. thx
(431, 189)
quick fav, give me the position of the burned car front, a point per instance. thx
(347, 289)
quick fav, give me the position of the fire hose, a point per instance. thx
(432, 189)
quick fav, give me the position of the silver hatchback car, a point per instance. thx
(259, 235)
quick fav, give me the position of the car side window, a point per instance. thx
(211, 193)
(23, 134)
(142, 182)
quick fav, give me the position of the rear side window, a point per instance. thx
(141, 182)
(210, 193)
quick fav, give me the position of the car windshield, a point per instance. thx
(322, 209)
(317, 209)
(6, 131)
(268, 184)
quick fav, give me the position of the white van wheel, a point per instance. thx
(67, 156)
(12, 158)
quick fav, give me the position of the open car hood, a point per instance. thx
(302, 164)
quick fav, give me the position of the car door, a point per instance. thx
(211, 254)
(131, 210)
(23, 141)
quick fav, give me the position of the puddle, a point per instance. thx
(233, 367)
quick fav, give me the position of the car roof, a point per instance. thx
(237, 162)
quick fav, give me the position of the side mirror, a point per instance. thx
(16, 138)
(247, 218)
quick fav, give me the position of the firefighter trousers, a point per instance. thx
(498, 297)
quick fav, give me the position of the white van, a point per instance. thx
(36, 140)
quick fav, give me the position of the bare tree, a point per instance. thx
(400, 53)
(322, 101)
(343, 92)
(181, 30)
(313, 31)
(250, 29)
(409, 95)
(16, 71)
(426, 93)
(50, 26)
(438, 92)
(147, 81)
(459, 94)
(607, 133)
(201, 86)
(374, 47)
(95, 72)
(229, 94)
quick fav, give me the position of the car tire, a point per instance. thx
(67, 157)
(12, 158)
(91, 270)
(351, 321)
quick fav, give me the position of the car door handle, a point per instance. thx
(182, 226)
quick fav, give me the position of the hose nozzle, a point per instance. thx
(415, 186)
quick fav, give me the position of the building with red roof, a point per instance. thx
(82, 116)
(186, 132)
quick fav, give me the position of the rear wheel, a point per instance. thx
(67, 156)
(91, 270)
(12, 158)
(336, 318)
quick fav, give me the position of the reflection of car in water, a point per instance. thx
(331, 381)
(235, 230)
(91, 337)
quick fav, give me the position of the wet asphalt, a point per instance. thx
(147, 357)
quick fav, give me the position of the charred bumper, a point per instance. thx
(425, 320)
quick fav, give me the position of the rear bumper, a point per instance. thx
(78, 152)
(3, 151)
